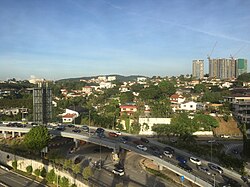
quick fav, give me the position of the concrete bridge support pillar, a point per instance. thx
(19, 134)
(160, 167)
(4, 134)
(13, 134)
(76, 143)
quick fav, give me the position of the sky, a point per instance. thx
(56, 39)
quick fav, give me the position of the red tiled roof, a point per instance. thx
(69, 115)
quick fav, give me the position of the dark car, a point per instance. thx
(185, 167)
(181, 159)
(99, 130)
(169, 149)
(158, 154)
(85, 128)
(76, 130)
(71, 125)
(154, 148)
(145, 140)
(124, 139)
(215, 168)
(60, 128)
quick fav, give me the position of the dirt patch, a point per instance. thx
(227, 127)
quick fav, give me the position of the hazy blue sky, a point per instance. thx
(56, 39)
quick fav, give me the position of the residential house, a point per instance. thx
(129, 109)
(177, 99)
(87, 89)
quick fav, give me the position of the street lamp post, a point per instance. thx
(89, 122)
(211, 141)
(214, 179)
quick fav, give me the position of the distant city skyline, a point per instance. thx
(79, 38)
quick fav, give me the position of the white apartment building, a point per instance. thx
(198, 69)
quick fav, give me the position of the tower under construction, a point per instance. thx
(42, 103)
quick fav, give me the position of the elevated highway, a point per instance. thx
(114, 143)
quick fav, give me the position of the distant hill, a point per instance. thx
(118, 77)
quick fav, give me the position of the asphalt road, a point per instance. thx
(11, 179)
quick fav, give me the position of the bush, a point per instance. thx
(64, 182)
(29, 169)
(43, 172)
(14, 164)
(50, 177)
(37, 172)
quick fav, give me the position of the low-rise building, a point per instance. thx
(128, 109)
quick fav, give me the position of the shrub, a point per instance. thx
(37, 172)
(43, 172)
(14, 164)
(29, 169)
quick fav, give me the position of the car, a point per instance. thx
(215, 168)
(168, 154)
(211, 141)
(235, 151)
(169, 149)
(225, 136)
(118, 133)
(204, 170)
(181, 159)
(71, 125)
(145, 140)
(60, 128)
(85, 128)
(158, 154)
(142, 147)
(99, 130)
(118, 171)
(195, 160)
(113, 134)
(185, 167)
(76, 130)
(124, 139)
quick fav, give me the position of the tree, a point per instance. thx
(87, 173)
(64, 182)
(160, 109)
(37, 172)
(126, 97)
(50, 177)
(37, 138)
(76, 168)
(163, 130)
(198, 88)
(43, 172)
(67, 164)
(167, 88)
(205, 121)
(14, 164)
(29, 169)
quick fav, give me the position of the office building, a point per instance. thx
(42, 103)
(198, 69)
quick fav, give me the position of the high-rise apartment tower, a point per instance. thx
(241, 66)
(198, 69)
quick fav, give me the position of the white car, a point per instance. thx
(118, 133)
(195, 161)
(168, 154)
(117, 171)
(142, 147)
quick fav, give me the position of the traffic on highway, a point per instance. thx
(209, 172)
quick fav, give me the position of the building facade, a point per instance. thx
(241, 66)
(198, 69)
(42, 103)
(222, 68)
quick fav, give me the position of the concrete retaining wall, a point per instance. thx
(22, 163)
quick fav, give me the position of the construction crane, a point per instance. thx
(233, 56)
(209, 55)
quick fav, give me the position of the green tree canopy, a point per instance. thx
(87, 173)
(205, 121)
(37, 138)
(245, 77)
(198, 88)
(126, 97)
(167, 88)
